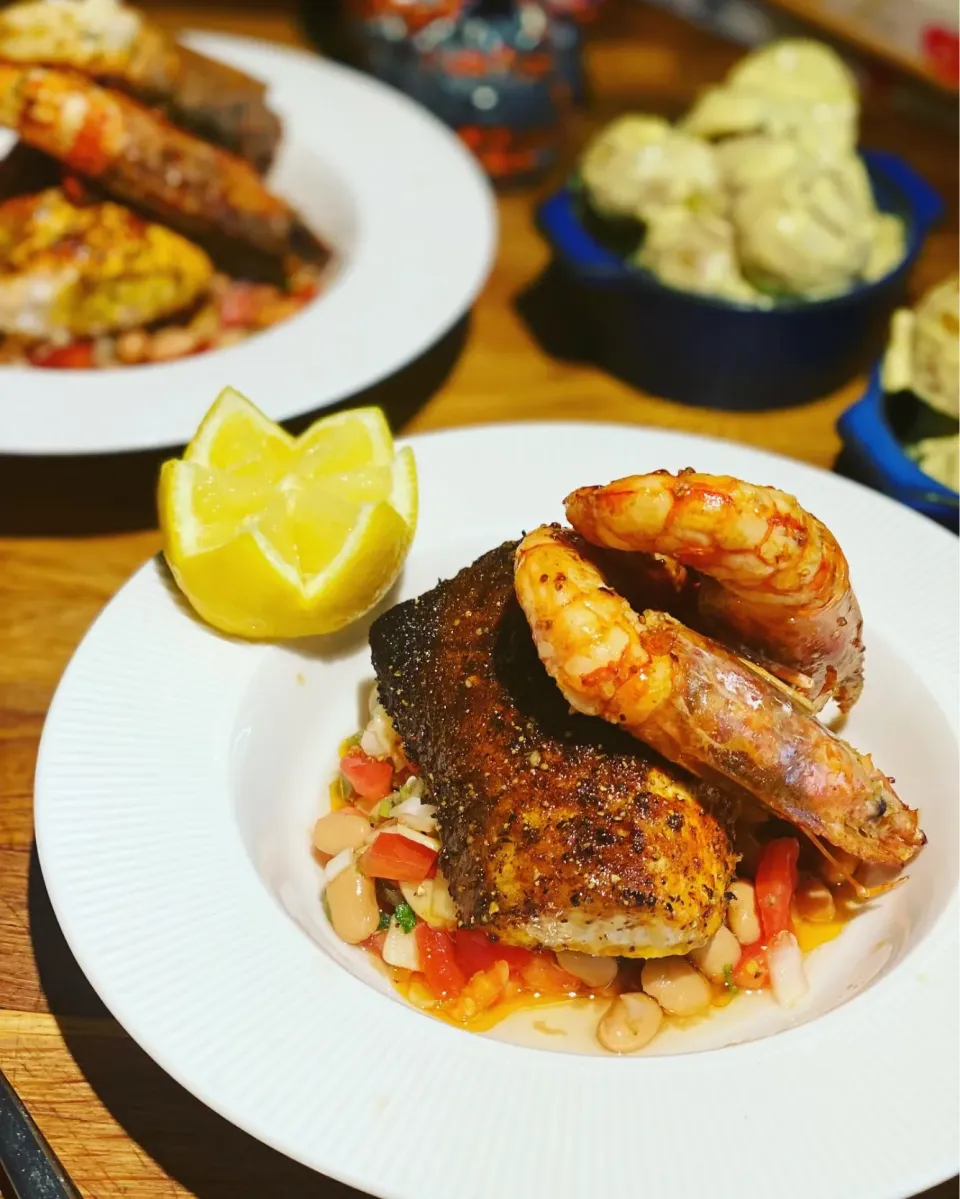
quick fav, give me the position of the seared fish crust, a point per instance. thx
(557, 829)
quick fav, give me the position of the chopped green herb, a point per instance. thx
(728, 980)
(384, 922)
(405, 916)
(385, 807)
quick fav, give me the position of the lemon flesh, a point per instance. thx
(271, 536)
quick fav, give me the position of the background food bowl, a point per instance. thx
(718, 354)
(874, 453)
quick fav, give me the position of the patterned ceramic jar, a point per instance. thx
(491, 70)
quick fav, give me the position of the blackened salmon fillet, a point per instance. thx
(557, 829)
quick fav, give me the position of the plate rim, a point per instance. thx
(751, 1051)
(24, 433)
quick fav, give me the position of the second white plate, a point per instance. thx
(413, 225)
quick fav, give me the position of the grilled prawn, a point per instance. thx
(129, 151)
(769, 573)
(117, 46)
(699, 705)
(68, 271)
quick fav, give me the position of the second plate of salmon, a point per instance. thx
(285, 224)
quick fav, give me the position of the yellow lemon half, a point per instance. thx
(272, 536)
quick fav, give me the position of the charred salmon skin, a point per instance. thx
(557, 829)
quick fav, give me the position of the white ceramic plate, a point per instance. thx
(180, 773)
(413, 224)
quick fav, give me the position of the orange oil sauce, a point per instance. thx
(414, 989)
(810, 934)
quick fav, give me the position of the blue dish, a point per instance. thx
(717, 354)
(486, 71)
(874, 454)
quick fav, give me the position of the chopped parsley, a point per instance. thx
(405, 916)
(728, 980)
(386, 806)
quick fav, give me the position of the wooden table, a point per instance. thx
(71, 532)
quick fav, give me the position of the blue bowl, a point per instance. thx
(718, 354)
(874, 454)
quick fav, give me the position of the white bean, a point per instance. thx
(629, 1023)
(132, 346)
(595, 972)
(676, 986)
(171, 343)
(742, 915)
(230, 337)
(344, 829)
(352, 903)
(846, 867)
(719, 956)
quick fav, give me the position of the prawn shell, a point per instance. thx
(773, 580)
(701, 706)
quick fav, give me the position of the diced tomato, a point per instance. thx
(438, 962)
(475, 951)
(752, 973)
(542, 974)
(775, 883)
(486, 988)
(393, 856)
(307, 292)
(78, 355)
(369, 777)
(241, 304)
